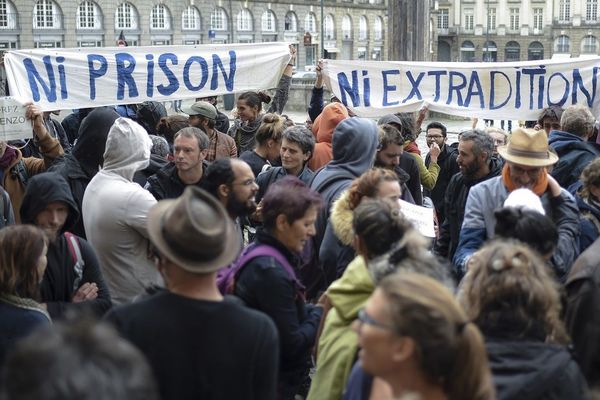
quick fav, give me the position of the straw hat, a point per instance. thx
(528, 147)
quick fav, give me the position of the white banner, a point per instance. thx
(13, 123)
(512, 90)
(57, 79)
(421, 218)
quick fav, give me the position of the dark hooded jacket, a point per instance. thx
(448, 167)
(455, 201)
(156, 163)
(574, 155)
(166, 184)
(57, 288)
(86, 158)
(590, 217)
(354, 146)
(265, 179)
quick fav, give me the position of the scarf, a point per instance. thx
(10, 155)
(539, 188)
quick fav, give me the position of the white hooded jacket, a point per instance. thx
(115, 210)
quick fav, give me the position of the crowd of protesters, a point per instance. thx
(154, 256)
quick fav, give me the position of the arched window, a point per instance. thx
(218, 19)
(363, 29)
(268, 23)
(244, 20)
(378, 29)
(562, 44)
(88, 16)
(535, 51)
(47, 15)
(291, 22)
(490, 51)
(512, 51)
(329, 27)
(467, 51)
(190, 19)
(126, 16)
(160, 18)
(310, 23)
(347, 27)
(589, 45)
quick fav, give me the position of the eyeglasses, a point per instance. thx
(247, 182)
(365, 318)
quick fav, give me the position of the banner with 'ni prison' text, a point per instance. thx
(59, 79)
(512, 90)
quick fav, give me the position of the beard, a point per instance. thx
(470, 171)
(240, 208)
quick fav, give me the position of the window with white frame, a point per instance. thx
(190, 19)
(363, 28)
(514, 19)
(218, 19)
(538, 18)
(491, 19)
(88, 16)
(347, 27)
(290, 22)
(329, 27)
(378, 29)
(244, 20)
(562, 44)
(46, 15)
(589, 45)
(469, 19)
(126, 17)
(268, 23)
(564, 11)
(160, 17)
(310, 23)
(591, 10)
(442, 18)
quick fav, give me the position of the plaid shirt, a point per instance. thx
(220, 146)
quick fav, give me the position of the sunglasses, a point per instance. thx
(366, 319)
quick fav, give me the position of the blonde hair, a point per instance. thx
(449, 349)
(271, 127)
(508, 285)
(367, 185)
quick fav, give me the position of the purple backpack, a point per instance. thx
(227, 276)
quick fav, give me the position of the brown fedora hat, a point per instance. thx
(528, 147)
(194, 231)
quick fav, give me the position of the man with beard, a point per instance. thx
(190, 150)
(231, 181)
(203, 115)
(527, 157)
(476, 165)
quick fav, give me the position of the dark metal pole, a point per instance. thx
(487, 33)
(323, 33)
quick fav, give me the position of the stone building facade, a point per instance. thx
(352, 29)
(514, 30)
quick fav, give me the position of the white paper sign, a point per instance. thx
(57, 79)
(13, 123)
(420, 217)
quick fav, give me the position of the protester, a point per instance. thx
(377, 225)
(416, 337)
(337, 245)
(316, 98)
(436, 133)
(269, 283)
(268, 143)
(511, 297)
(323, 128)
(587, 195)
(73, 280)
(72, 122)
(158, 159)
(203, 115)
(16, 170)
(22, 265)
(188, 168)
(390, 155)
(549, 119)
(222, 120)
(476, 165)
(55, 130)
(297, 147)
(202, 344)
(355, 143)
(77, 360)
(500, 139)
(115, 211)
(249, 108)
(79, 167)
(527, 157)
(572, 146)
(167, 127)
(149, 114)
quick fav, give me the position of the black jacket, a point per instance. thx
(166, 184)
(409, 165)
(574, 155)
(57, 288)
(265, 285)
(533, 370)
(448, 168)
(455, 200)
(266, 178)
(156, 163)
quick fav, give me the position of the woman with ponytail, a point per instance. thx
(509, 294)
(415, 336)
(268, 143)
(249, 108)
